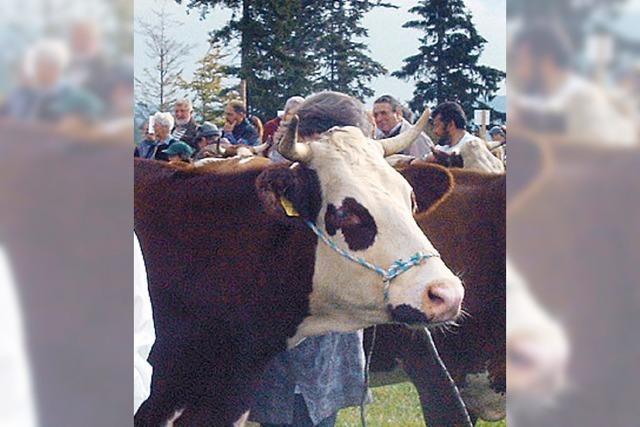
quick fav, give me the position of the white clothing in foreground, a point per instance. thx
(17, 408)
(143, 331)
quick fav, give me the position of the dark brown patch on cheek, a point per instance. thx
(354, 220)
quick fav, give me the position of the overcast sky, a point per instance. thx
(388, 41)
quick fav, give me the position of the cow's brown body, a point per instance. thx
(468, 227)
(212, 336)
(574, 238)
(65, 222)
(228, 283)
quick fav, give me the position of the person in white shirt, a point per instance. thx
(387, 113)
(449, 126)
(550, 102)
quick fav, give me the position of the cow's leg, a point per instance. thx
(473, 419)
(440, 404)
(242, 421)
(155, 411)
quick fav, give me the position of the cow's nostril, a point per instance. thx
(441, 300)
(433, 296)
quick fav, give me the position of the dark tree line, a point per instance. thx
(446, 66)
(293, 47)
(296, 47)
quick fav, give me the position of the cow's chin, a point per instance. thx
(337, 322)
(432, 326)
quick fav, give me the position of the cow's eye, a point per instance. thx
(342, 217)
(354, 220)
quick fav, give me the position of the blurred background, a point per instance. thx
(66, 137)
(573, 222)
(66, 86)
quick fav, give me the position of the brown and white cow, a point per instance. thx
(234, 278)
(469, 229)
(573, 235)
(531, 348)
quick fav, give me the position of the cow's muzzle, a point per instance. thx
(440, 302)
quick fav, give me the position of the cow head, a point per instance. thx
(342, 183)
(537, 348)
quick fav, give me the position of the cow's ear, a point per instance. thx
(290, 192)
(431, 183)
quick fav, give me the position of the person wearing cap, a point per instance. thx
(179, 152)
(207, 140)
(498, 136)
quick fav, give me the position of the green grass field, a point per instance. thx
(393, 406)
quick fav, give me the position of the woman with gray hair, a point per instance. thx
(44, 94)
(162, 125)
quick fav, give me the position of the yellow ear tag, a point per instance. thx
(288, 207)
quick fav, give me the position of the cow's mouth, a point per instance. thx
(408, 315)
(416, 319)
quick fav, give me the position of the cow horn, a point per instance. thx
(289, 146)
(259, 148)
(398, 143)
(220, 149)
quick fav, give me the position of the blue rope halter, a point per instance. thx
(398, 267)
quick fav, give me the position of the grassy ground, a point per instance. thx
(393, 406)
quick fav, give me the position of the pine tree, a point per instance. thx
(242, 25)
(295, 47)
(280, 61)
(159, 86)
(576, 18)
(446, 67)
(206, 86)
(341, 57)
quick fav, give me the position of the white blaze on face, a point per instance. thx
(537, 346)
(354, 177)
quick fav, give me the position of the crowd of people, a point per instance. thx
(309, 384)
(177, 137)
(73, 86)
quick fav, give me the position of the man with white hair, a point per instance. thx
(186, 127)
(44, 94)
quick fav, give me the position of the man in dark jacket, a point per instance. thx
(186, 126)
(237, 129)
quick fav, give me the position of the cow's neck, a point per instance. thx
(336, 322)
